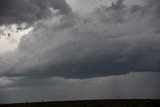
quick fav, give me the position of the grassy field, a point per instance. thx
(90, 103)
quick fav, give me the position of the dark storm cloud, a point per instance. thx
(109, 41)
(112, 87)
(20, 11)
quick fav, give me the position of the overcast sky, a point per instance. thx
(79, 49)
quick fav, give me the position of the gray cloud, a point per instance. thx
(21, 11)
(2, 97)
(109, 41)
(132, 85)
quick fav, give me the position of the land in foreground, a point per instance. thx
(90, 103)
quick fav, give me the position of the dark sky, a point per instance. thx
(96, 51)
(29, 11)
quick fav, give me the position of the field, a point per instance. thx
(90, 103)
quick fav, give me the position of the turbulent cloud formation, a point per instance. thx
(18, 11)
(68, 55)
(111, 40)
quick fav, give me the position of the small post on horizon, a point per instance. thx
(42, 102)
(26, 103)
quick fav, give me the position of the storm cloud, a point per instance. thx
(112, 51)
(112, 87)
(22, 11)
(111, 40)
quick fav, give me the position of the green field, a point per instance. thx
(90, 103)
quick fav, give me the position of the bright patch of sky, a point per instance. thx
(10, 36)
(85, 6)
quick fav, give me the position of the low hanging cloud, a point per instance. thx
(29, 11)
(112, 87)
(108, 41)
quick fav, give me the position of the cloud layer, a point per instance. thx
(133, 85)
(111, 40)
(69, 55)
(21, 11)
